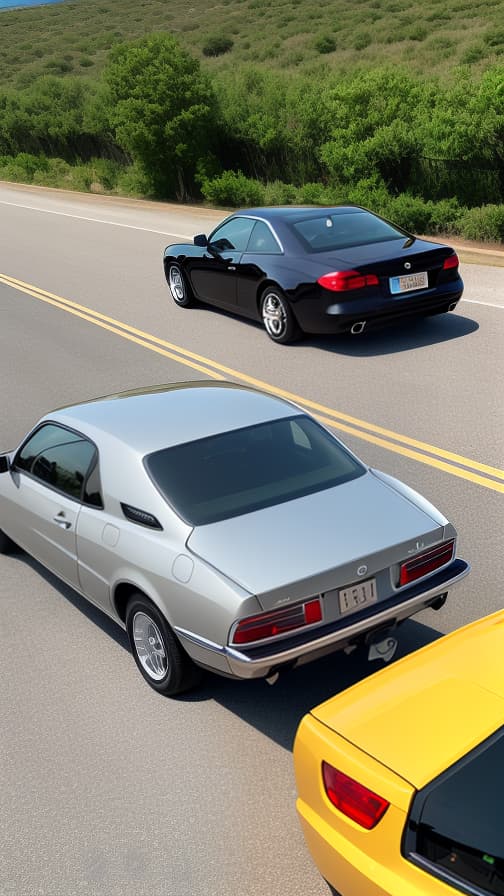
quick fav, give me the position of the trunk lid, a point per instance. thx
(316, 543)
(422, 713)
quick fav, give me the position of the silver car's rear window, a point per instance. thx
(344, 230)
(248, 469)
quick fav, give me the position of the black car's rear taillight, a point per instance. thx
(342, 281)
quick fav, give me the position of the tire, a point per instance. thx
(178, 286)
(160, 658)
(7, 546)
(277, 317)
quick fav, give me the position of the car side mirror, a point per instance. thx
(201, 240)
(4, 463)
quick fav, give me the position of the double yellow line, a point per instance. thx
(448, 461)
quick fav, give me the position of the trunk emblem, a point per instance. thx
(362, 570)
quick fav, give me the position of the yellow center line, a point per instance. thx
(362, 429)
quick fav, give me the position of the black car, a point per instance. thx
(314, 270)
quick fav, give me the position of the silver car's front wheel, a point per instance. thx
(277, 316)
(158, 654)
(181, 294)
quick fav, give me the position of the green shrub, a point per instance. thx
(22, 167)
(484, 223)
(362, 40)
(278, 193)
(217, 45)
(410, 212)
(232, 188)
(325, 44)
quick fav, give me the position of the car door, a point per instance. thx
(44, 496)
(214, 276)
(256, 265)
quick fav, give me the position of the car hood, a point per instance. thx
(424, 712)
(315, 543)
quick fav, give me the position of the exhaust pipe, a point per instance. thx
(358, 327)
(452, 306)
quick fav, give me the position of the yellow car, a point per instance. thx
(401, 777)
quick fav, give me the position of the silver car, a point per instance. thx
(224, 529)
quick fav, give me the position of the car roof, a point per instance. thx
(157, 417)
(293, 212)
(427, 710)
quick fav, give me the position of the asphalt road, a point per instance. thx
(106, 787)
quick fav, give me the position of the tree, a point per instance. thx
(162, 110)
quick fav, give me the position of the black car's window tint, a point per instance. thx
(331, 232)
(262, 240)
(248, 469)
(233, 235)
(455, 825)
(58, 457)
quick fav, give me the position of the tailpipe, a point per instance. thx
(358, 327)
(452, 306)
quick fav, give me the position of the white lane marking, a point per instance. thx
(489, 304)
(181, 236)
(48, 211)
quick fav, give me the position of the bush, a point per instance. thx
(233, 189)
(278, 193)
(325, 44)
(22, 168)
(217, 45)
(484, 223)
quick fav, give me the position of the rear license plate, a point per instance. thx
(359, 595)
(408, 282)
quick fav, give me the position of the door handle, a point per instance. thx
(60, 520)
(232, 267)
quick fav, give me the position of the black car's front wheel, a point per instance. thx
(178, 286)
(277, 317)
(160, 658)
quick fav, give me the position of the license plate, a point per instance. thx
(409, 282)
(356, 596)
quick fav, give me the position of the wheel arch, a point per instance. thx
(124, 590)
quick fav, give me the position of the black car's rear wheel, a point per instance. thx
(160, 658)
(278, 319)
(179, 287)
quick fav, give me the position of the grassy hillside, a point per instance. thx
(429, 36)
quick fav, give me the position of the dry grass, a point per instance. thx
(429, 36)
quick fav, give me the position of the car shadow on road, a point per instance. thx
(275, 710)
(404, 336)
(401, 337)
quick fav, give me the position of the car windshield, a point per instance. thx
(342, 230)
(457, 819)
(248, 469)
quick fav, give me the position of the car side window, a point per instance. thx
(233, 235)
(63, 460)
(262, 240)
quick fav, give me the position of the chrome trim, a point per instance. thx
(199, 640)
(243, 666)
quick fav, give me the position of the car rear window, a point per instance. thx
(455, 824)
(343, 230)
(248, 469)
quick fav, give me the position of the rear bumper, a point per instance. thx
(263, 661)
(350, 870)
(331, 316)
